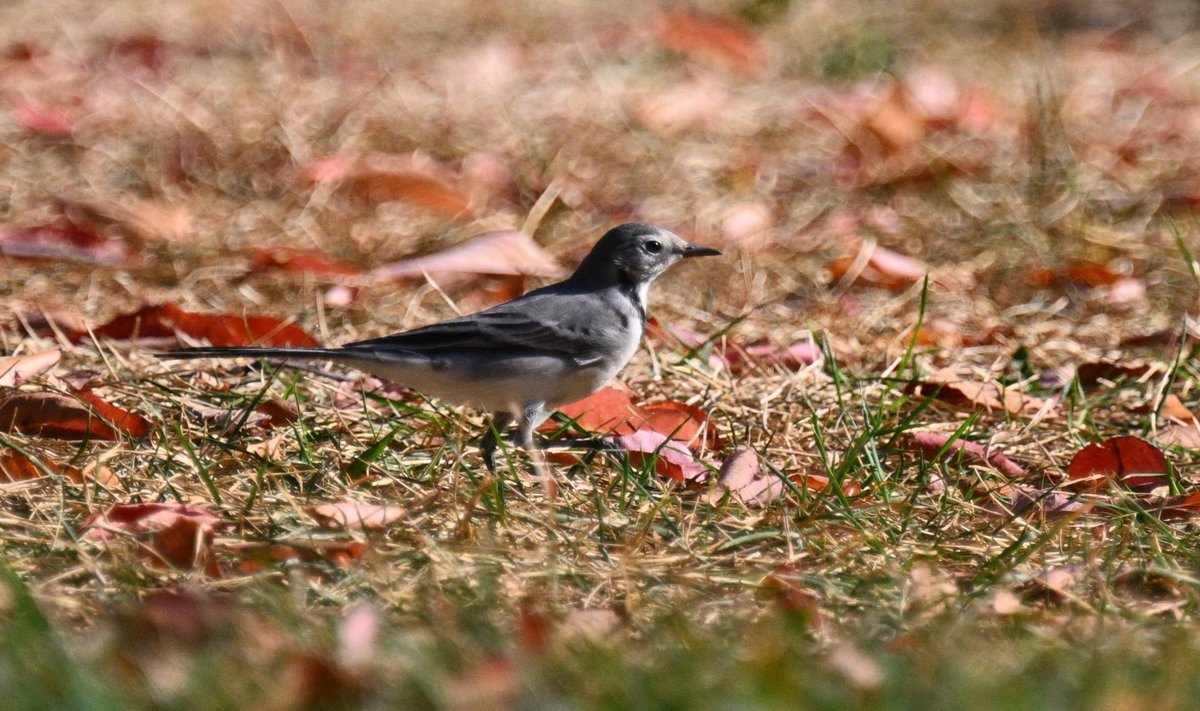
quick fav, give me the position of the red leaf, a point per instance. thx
(300, 261)
(1181, 506)
(672, 460)
(15, 370)
(63, 239)
(43, 121)
(930, 443)
(709, 39)
(1134, 462)
(352, 515)
(503, 252)
(47, 414)
(167, 320)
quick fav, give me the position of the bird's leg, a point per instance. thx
(532, 415)
(496, 426)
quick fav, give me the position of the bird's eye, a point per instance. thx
(653, 246)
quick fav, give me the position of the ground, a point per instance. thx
(957, 250)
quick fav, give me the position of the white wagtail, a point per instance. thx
(521, 358)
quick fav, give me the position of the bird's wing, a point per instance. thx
(554, 324)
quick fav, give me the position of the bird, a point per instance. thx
(521, 358)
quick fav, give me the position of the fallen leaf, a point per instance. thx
(354, 516)
(1129, 460)
(300, 261)
(742, 478)
(167, 320)
(502, 252)
(64, 240)
(44, 120)
(255, 556)
(672, 460)
(895, 122)
(179, 534)
(388, 178)
(1048, 503)
(1182, 506)
(739, 359)
(606, 411)
(1091, 373)
(358, 634)
(610, 411)
(709, 39)
(1185, 435)
(1172, 407)
(880, 267)
(946, 385)
(929, 444)
(15, 370)
(15, 466)
(278, 413)
(47, 414)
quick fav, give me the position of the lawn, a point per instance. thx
(923, 436)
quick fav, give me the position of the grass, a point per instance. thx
(907, 581)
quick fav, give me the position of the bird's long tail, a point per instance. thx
(248, 352)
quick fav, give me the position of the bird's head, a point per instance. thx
(636, 253)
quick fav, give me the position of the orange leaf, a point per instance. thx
(709, 39)
(1133, 461)
(47, 414)
(387, 178)
(300, 261)
(606, 411)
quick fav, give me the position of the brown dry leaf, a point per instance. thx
(255, 556)
(1132, 461)
(179, 534)
(15, 466)
(948, 386)
(502, 252)
(1186, 436)
(880, 267)
(741, 477)
(167, 320)
(929, 444)
(724, 42)
(47, 414)
(272, 449)
(387, 178)
(1173, 407)
(355, 516)
(15, 370)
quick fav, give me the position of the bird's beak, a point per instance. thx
(693, 251)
